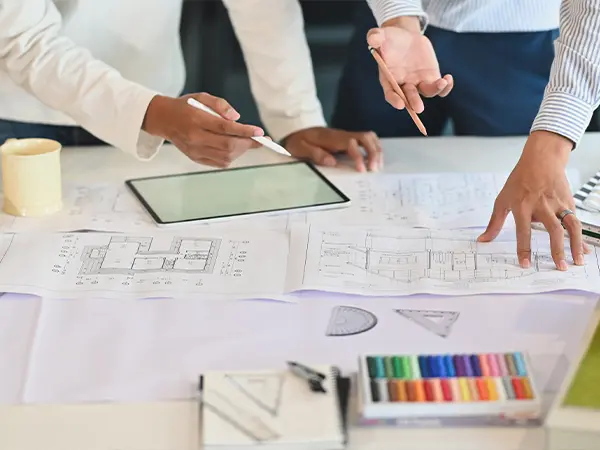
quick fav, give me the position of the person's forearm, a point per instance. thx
(407, 14)
(69, 79)
(573, 92)
(271, 35)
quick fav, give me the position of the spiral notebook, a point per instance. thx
(274, 410)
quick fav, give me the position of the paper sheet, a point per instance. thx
(399, 261)
(213, 264)
(132, 350)
(18, 322)
(432, 200)
(450, 200)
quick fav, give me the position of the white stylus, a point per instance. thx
(260, 139)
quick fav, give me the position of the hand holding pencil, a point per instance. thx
(408, 68)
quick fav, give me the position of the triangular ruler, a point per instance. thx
(438, 322)
(263, 389)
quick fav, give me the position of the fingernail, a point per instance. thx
(579, 260)
(526, 264)
(562, 265)
(329, 161)
(259, 132)
(232, 114)
(373, 167)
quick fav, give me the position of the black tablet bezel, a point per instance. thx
(150, 210)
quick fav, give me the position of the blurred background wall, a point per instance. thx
(216, 64)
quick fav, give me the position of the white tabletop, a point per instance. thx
(174, 425)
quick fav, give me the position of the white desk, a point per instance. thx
(174, 426)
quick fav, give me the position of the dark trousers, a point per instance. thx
(66, 135)
(499, 84)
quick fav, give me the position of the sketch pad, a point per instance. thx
(273, 409)
(240, 192)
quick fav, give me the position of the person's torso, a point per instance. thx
(139, 38)
(493, 15)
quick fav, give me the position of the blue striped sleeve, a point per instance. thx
(573, 92)
(384, 10)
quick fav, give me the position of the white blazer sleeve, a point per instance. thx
(69, 79)
(271, 35)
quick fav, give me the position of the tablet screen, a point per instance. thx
(233, 192)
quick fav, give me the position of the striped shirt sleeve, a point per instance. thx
(384, 10)
(573, 92)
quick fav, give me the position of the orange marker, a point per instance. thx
(482, 388)
(411, 391)
(401, 391)
(527, 387)
(420, 391)
(491, 383)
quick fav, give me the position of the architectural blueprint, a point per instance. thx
(423, 200)
(449, 200)
(404, 261)
(75, 265)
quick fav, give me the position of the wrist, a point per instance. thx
(408, 23)
(551, 144)
(153, 123)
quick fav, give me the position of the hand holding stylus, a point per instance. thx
(408, 61)
(211, 138)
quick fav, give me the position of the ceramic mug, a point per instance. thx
(31, 177)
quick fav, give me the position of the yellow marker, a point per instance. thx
(473, 389)
(491, 384)
(464, 389)
(456, 394)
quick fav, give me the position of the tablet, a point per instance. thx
(229, 193)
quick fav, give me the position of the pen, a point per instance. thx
(398, 90)
(260, 139)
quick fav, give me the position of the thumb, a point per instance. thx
(496, 223)
(375, 37)
(218, 105)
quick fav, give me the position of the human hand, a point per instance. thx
(538, 190)
(411, 59)
(202, 137)
(318, 144)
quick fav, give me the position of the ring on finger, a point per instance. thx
(563, 214)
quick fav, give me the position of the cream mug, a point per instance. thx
(31, 177)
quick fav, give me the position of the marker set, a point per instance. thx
(466, 385)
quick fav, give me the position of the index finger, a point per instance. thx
(218, 125)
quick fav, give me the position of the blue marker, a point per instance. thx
(450, 366)
(424, 366)
(520, 364)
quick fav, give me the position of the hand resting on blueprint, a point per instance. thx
(538, 190)
(204, 138)
(319, 144)
(411, 59)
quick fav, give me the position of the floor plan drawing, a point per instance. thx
(438, 322)
(371, 260)
(125, 255)
(350, 320)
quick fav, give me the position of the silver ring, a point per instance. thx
(564, 214)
